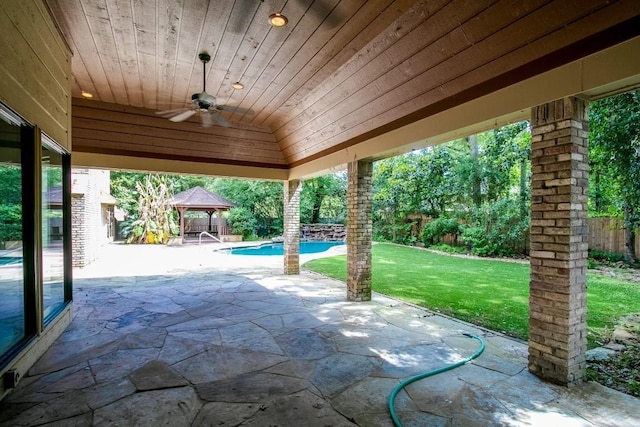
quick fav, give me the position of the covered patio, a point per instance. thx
(344, 84)
(239, 344)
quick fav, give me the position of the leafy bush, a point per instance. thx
(438, 228)
(242, 221)
(499, 229)
(608, 257)
(443, 247)
(478, 242)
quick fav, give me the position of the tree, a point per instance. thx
(264, 199)
(418, 182)
(323, 197)
(615, 158)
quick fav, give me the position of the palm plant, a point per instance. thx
(156, 221)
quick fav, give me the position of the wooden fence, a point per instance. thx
(606, 234)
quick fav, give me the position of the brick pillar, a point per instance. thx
(78, 231)
(292, 191)
(359, 231)
(559, 241)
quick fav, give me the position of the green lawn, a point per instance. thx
(494, 294)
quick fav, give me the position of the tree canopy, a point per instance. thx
(614, 153)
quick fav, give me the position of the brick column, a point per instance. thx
(359, 231)
(292, 191)
(559, 241)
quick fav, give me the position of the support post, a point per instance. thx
(292, 191)
(359, 230)
(559, 241)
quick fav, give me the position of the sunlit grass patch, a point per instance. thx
(489, 293)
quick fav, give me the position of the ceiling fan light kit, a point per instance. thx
(278, 20)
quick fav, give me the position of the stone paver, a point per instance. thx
(218, 341)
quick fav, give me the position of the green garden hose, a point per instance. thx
(403, 384)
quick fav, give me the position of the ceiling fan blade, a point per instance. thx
(221, 120)
(324, 10)
(235, 109)
(171, 112)
(183, 116)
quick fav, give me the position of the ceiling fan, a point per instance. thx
(203, 104)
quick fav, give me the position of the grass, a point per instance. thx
(490, 293)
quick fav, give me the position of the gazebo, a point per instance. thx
(199, 199)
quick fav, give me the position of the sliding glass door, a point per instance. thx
(35, 232)
(12, 285)
(52, 228)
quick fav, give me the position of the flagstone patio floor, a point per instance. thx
(188, 337)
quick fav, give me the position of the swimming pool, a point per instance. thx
(8, 260)
(309, 247)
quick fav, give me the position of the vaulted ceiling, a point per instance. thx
(340, 72)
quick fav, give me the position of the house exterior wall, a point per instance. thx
(36, 68)
(35, 81)
(90, 218)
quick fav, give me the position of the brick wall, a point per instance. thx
(559, 241)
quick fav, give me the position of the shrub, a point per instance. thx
(438, 228)
(498, 229)
(443, 247)
(241, 221)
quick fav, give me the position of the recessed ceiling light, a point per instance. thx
(237, 85)
(86, 94)
(278, 19)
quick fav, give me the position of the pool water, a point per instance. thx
(7, 260)
(278, 248)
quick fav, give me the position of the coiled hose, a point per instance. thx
(403, 384)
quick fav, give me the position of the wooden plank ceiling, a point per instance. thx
(340, 72)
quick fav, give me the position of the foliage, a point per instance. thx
(597, 258)
(418, 182)
(615, 159)
(156, 221)
(264, 199)
(323, 199)
(10, 203)
(497, 229)
(241, 221)
(443, 247)
(438, 228)
(453, 182)
(10, 222)
(10, 184)
(620, 372)
(124, 190)
(490, 293)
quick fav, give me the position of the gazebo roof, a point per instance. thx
(199, 198)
